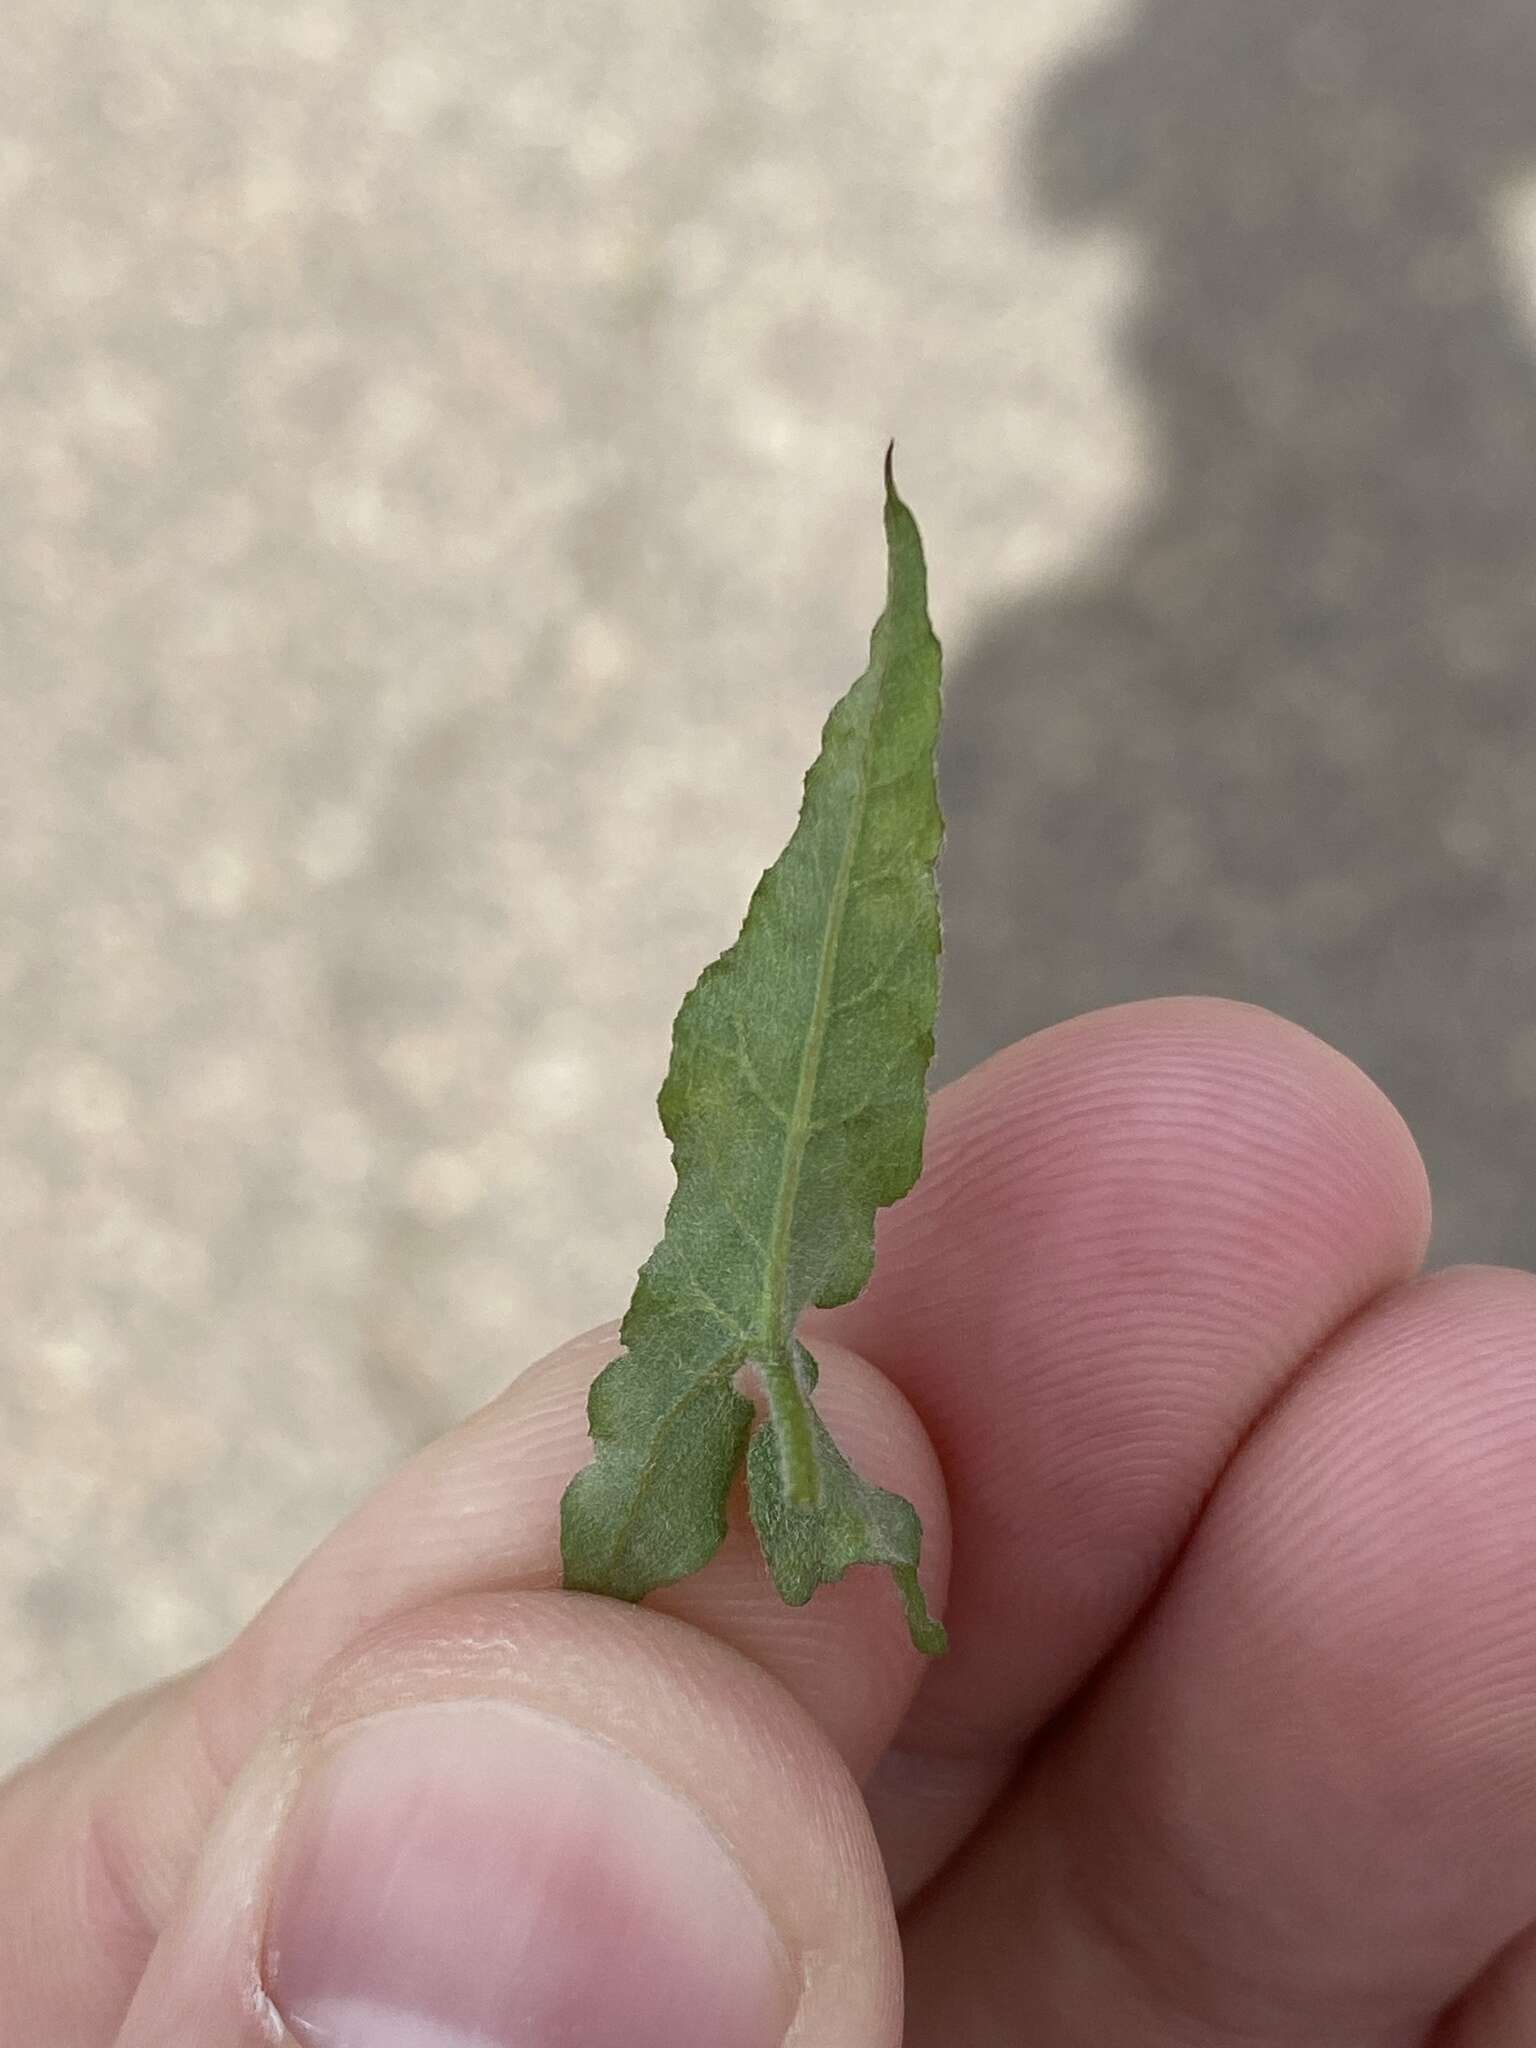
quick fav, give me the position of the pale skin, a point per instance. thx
(1231, 1513)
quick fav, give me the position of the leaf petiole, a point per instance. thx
(785, 1383)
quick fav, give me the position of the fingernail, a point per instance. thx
(485, 1876)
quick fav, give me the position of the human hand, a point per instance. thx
(1236, 1742)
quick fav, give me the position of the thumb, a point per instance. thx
(105, 1831)
(109, 1831)
(529, 1820)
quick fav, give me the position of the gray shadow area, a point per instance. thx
(1279, 742)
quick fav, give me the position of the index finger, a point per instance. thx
(1129, 1232)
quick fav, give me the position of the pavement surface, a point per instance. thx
(442, 455)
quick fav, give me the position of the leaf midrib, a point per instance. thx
(774, 1305)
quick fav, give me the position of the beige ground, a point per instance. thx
(441, 453)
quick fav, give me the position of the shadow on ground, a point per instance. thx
(1280, 742)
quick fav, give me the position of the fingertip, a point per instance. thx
(1155, 1140)
(1211, 1071)
(546, 1810)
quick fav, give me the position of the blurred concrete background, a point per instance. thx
(441, 453)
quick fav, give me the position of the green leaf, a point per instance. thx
(795, 1103)
(856, 1523)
